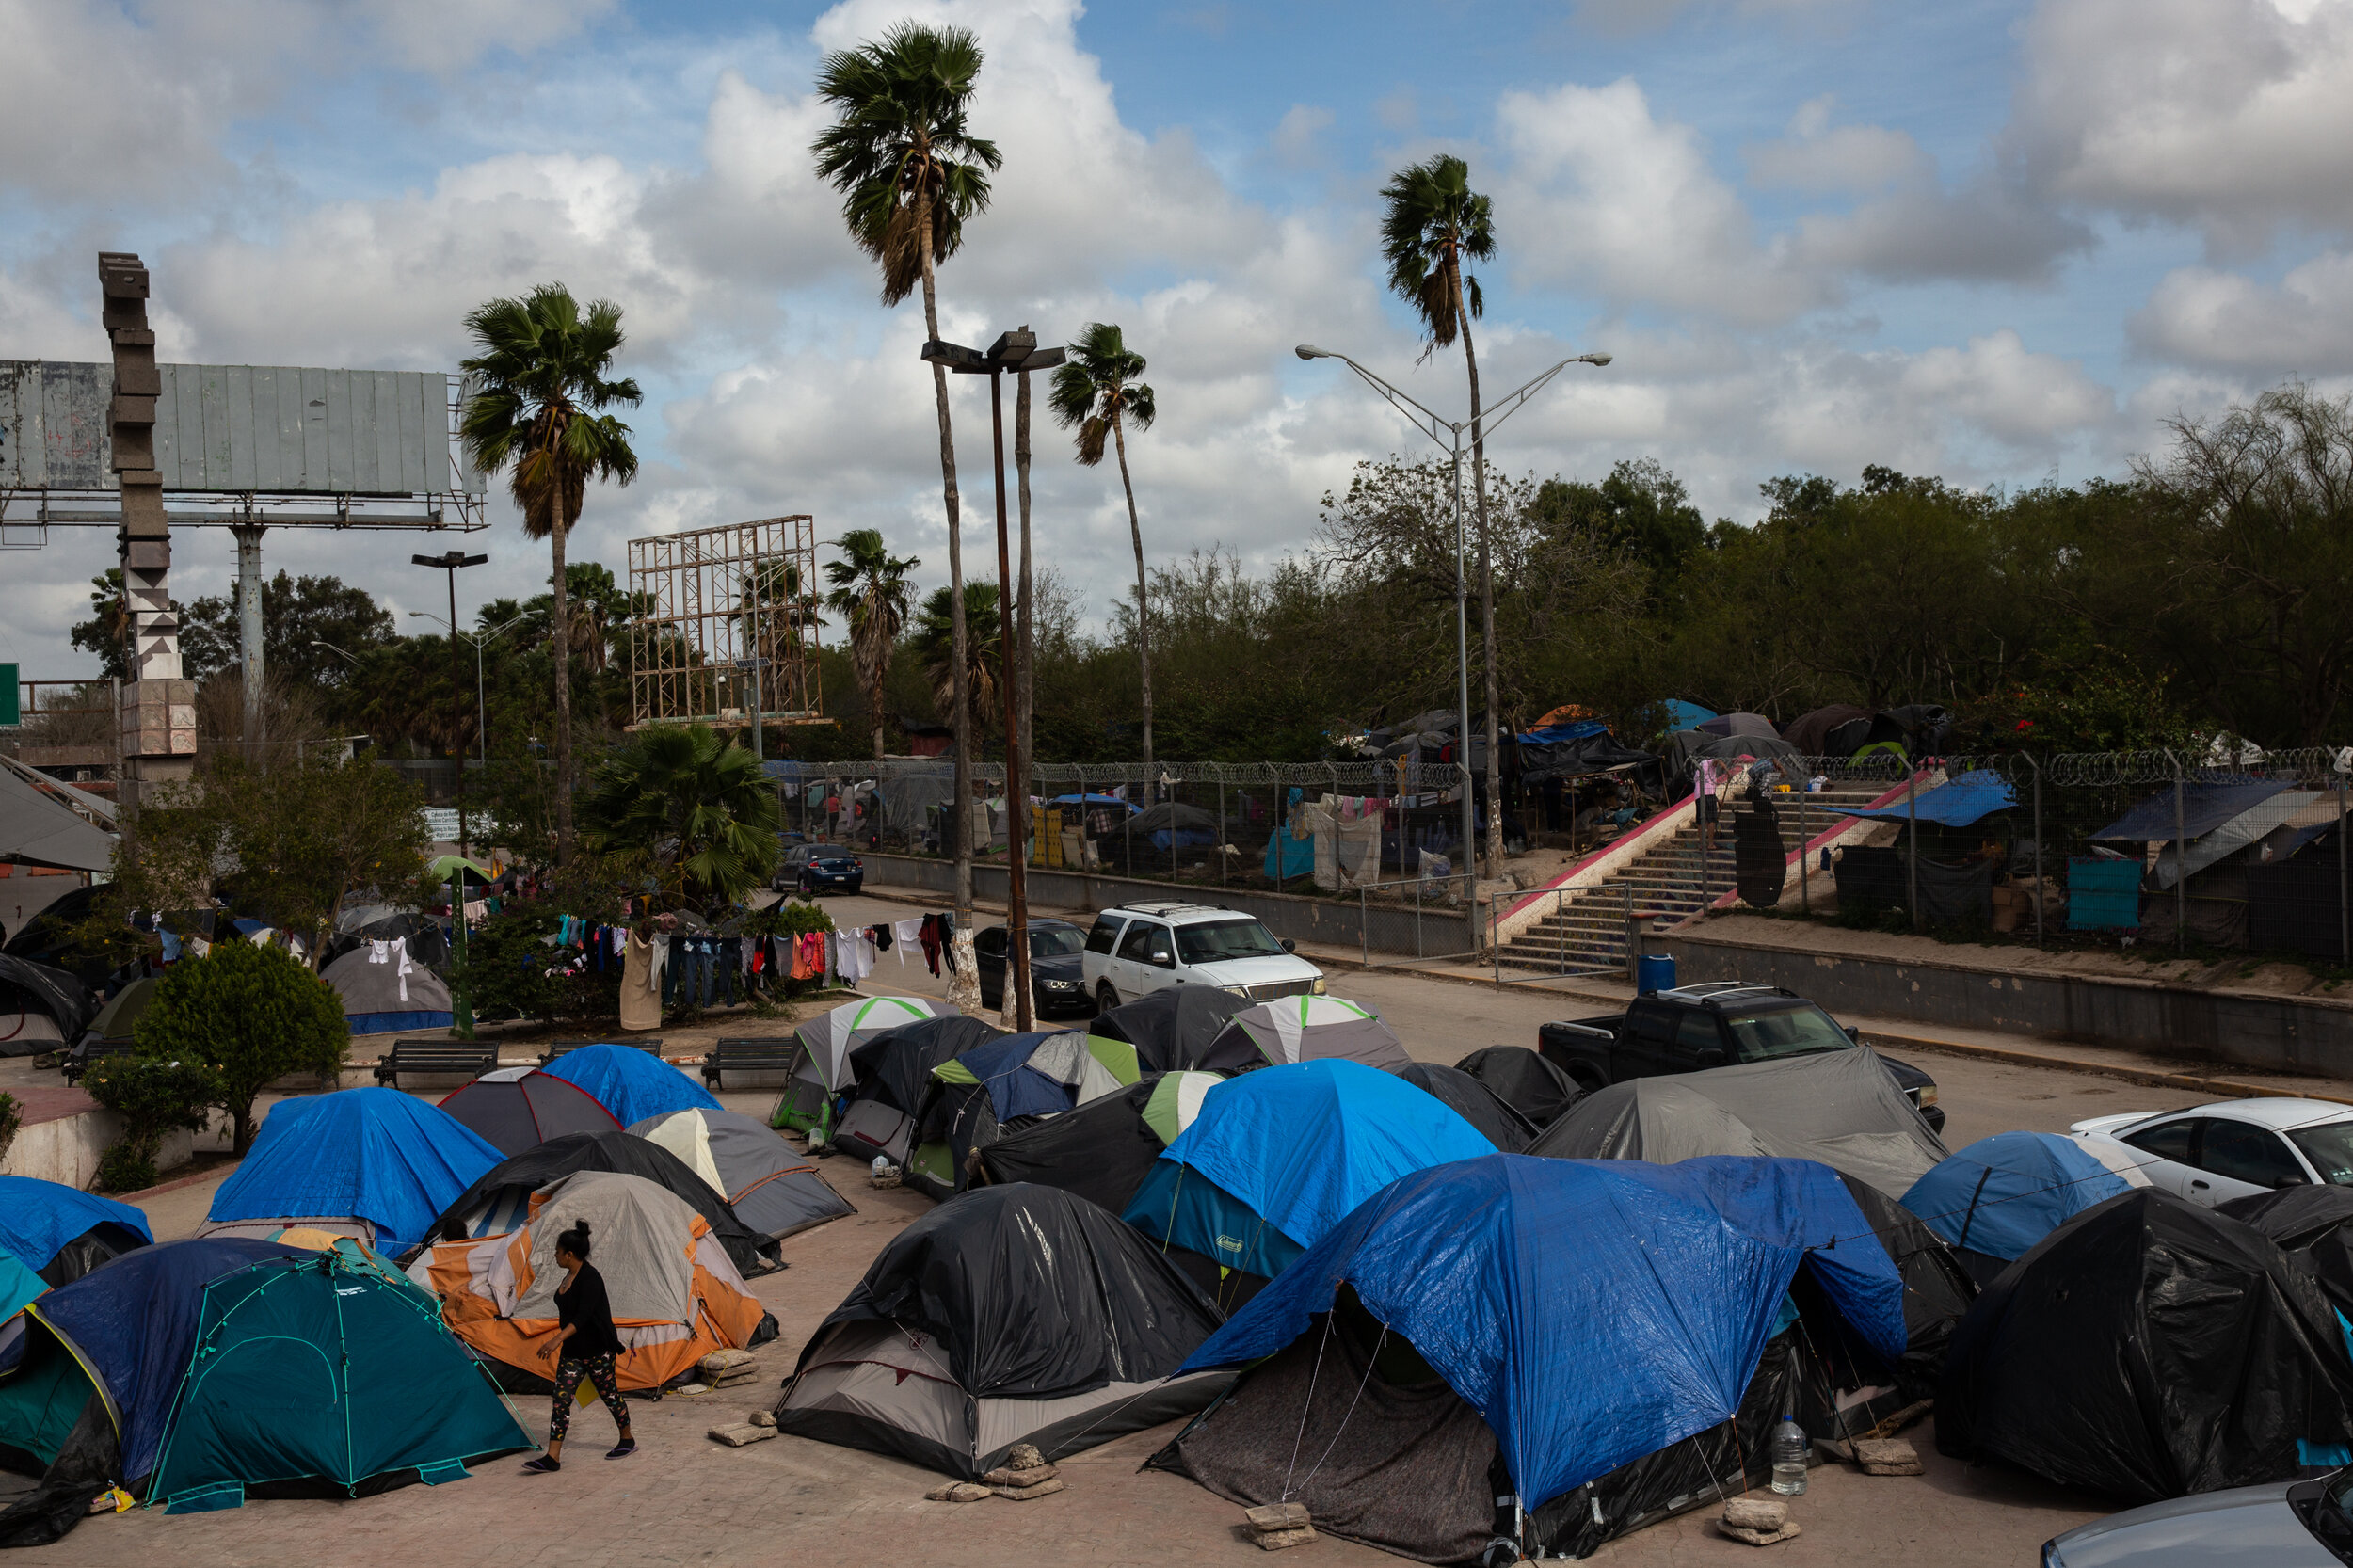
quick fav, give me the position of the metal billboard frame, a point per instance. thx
(703, 603)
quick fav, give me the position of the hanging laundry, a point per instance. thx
(928, 934)
(908, 934)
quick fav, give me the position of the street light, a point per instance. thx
(482, 708)
(1014, 351)
(333, 648)
(1431, 425)
(450, 561)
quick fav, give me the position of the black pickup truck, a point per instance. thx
(1710, 1026)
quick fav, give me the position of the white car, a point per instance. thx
(2211, 1154)
(1141, 948)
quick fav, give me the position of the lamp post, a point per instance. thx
(482, 703)
(451, 562)
(1448, 434)
(1014, 351)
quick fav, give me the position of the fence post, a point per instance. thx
(1127, 831)
(1364, 938)
(1805, 852)
(2181, 860)
(2041, 893)
(2345, 915)
(1912, 859)
(1282, 826)
(1221, 829)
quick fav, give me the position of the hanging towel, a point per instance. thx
(928, 934)
(641, 996)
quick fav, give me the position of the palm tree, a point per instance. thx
(694, 803)
(910, 172)
(536, 409)
(871, 591)
(1434, 223)
(984, 652)
(1096, 392)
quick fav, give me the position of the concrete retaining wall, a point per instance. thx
(66, 1149)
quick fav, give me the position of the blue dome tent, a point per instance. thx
(632, 1083)
(1999, 1196)
(62, 1233)
(375, 1156)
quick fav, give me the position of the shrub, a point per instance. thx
(247, 1013)
(510, 970)
(11, 1118)
(154, 1096)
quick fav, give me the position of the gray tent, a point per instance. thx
(772, 1188)
(40, 1008)
(387, 991)
(38, 830)
(1843, 1108)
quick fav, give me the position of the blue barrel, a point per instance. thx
(1653, 972)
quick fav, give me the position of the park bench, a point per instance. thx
(78, 1061)
(565, 1047)
(471, 1057)
(771, 1053)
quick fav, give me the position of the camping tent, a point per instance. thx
(498, 1202)
(19, 1288)
(40, 1008)
(62, 1233)
(2149, 1348)
(1472, 1100)
(1301, 1028)
(1007, 1315)
(820, 1065)
(2002, 1194)
(514, 1108)
(1565, 1319)
(1170, 1027)
(118, 1020)
(373, 1155)
(1840, 1107)
(2311, 1221)
(1104, 1149)
(1938, 1289)
(893, 1071)
(675, 1296)
(632, 1083)
(384, 991)
(773, 1190)
(1277, 1157)
(1010, 1077)
(1524, 1080)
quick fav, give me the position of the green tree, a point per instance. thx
(542, 371)
(1432, 224)
(902, 154)
(308, 835)
(245, 1014)
(1097, 393)
(298, 613)
(696, 803)
(154, 1096)
(871, 592)
(935, 647)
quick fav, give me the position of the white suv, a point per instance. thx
(1141, 948)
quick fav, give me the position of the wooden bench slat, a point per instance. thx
(763, 1054)
(472, 1057)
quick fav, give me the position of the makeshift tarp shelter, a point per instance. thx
(498, 1202)
(2002, 1194)
(1007, 1315)
(2315, 1224)
(1963, 801)
(2148, 1348)
(1277, 1157)
(1303, 1029)
(1951, 893)
(1559, 1278)
(1938, 1289)
(40, 1008)
(772, 1188)
(1554, 752)
(676, 1295)
(1007, 1078)
(1472, 1100)
(62, 1233)
(1840, 1107)
(821, 1070)
(630, 1083)
(2189, 813)
(386, 991)
(1170, 1029)
(1173, 824)
(1347, 847)
(513, 1108)
(1104, 1149)
(892, 1072)
(1524, 1080)
(374, 1155)
(37, 829)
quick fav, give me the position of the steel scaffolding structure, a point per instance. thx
(725, 625)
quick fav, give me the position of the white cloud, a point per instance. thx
(446, 36)
(2302, 326)
(1817, 158)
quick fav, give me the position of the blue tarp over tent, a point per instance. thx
(1957, 803)
(1593, 1311)
(1276, 1157)
(2002, 1194)
(1556, 734)
(39, 1216)
(632, 1083)
(1092, 800)
(1684, 716)
(1014, 1088)
(2205, 807)
(371, 1154)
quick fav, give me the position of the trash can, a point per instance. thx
(1653, 972)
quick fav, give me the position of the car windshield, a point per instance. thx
(1785, 1031)
(1222, 939)
(1055, 941)
(2330, 1147)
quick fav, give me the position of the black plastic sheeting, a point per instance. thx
(1937, 1286)
(1100, 1152)
(1031, 1294)
(54, 991)
(1477, 1104)
(895, 1066)
(535, 1167)
(1170, 1029)
(93, 1249)
(2205, 807)
(1590, 754)
(2313, 1222)
(2148, 1348)
(1524, 1080)
(1949, 894)
(1760, 863)
(86, 1465)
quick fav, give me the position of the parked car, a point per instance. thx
(1057, 968)
(2289, 1524)
(819, 868)
(1711, 1025)
(1141, 948)
(2211, 1154)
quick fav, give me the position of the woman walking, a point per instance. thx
(585, 1346)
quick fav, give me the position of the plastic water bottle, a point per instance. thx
(882, 1166)
(1789, 1452)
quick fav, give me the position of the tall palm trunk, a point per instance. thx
(1143, 619)
(1023, 690)
(874, 655)
(1486, 591)
(563, 643)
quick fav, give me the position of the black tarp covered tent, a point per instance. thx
(1524, 1080)
(893, 1072)
(1506, 1128)
(1937, 1289)
(1950, 893)
(2203, 805)
(1104, 1149)
(2315, 1223)
(2148, 1348)
(1017, 1314)
(1170, 1029)
(40, 1008)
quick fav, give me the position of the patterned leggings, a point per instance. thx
(597, 1369)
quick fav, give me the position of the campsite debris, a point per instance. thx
(718, 1362)
(736, 1434)
(1023, 1494)
(1760, 1538)
(1275, 1525)
(885, 1174)
(1007, 1476)
(1023, 1456)
(1902, 1418)
(957, 1492)
(1887, 1456)
(692, 1388)
(763, 1418)
(1755, 1514)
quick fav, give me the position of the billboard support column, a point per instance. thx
(251, 673)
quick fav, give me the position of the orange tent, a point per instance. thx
(675, 1296)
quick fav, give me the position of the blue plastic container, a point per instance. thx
(1653, 972)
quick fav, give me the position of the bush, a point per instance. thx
(249, 1014)
(510, 970)
(11, 1118)
(154, 1096)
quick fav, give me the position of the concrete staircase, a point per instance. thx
(1583, 931)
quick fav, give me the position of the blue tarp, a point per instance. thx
(1298, 855)
(371, 1154)
(1276, 1157)
(1188, 838)
(632, 1083)
(1956, 803)
(1014, 1088)
(38, 1217)
(1684, 716)
(396, 1023)
(1593, 1311)
(2002, 1194)
(2205, 807)
(1092, 800)
(1557, 734)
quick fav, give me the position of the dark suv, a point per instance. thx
(819, 868)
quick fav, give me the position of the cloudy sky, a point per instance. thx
(1999, 240)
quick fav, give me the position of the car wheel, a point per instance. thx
(1105, 997)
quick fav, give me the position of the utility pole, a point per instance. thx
(451, 562)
